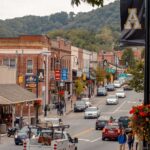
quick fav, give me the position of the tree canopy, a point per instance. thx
(91, 2)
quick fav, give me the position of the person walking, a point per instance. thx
(130, 140)
(122, 139)
(136, 140)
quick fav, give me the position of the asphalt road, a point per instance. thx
(84, 129)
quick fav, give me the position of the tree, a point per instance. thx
(128, 58)
(138, 77)
(100, 75)
(91, 2)
(79, 86)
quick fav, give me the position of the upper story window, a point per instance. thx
(9, 62)
(29, 66)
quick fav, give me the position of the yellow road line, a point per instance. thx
(83, 132)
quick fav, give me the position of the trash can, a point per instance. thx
(33, 121)
(2, 128)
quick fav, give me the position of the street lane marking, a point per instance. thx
(86, 140)
(83, 132)
(119, 107)
(96, 140)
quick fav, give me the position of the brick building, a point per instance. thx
(32, 53)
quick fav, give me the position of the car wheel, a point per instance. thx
(84, 117)
(96, 128)
(103, 138)
(16, 143)
(76, 148)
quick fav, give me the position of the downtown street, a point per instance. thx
(84, 129)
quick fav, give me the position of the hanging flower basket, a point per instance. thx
(37, 103)
(140, 121)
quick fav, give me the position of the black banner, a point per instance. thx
(40, 75)
(132, 22)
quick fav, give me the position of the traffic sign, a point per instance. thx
(57, 74)
(64, 74)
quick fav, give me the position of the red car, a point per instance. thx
(111, 131)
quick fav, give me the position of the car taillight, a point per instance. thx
(104, 130)
(55, 146)
(118, 130)
(97, 122)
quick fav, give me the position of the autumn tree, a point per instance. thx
(100, 75)
(79, 86)
(138, 76)
(128, 58)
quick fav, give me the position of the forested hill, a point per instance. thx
(94, 20)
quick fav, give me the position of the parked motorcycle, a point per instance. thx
(11, 131)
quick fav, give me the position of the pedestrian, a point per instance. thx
(122, 139)
(130, 140)
(136, 140)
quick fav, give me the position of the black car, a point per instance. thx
(79, 106)
(24, 133)
(110, 87)
(124, 121)
(101, 122)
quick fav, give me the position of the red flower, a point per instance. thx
(143, 114)
(132, 111)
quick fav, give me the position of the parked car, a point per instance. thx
(120, 93)
(101, 122)
(110, 87)
(124, 121)
(79, 106)
(112, 99)
(101, 91)
(111, 131)
(127, 87)
(87, 101)
(24, 134)
(117, 83)
(92, 112)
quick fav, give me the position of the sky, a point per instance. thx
(18, 8)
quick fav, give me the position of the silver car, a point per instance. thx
(112, 99)
(92, 112)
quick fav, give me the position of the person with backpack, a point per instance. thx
(122, 139)
(130, 140)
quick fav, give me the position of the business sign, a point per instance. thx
(57, 75)
(64, 74)
(132, 22)
(30, 81)
(40, 75)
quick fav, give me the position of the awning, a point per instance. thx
(13, 94)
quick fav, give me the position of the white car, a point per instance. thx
(87, 101)
(112, 99)
(92, 112)
(120, 93)
(117, 83)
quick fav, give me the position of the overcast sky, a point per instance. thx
(19, 8)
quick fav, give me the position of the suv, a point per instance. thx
(111, 131)
(101, 122)
(101, 91)
(79, 106)
(123, 121)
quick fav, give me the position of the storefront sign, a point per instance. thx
(30, 81)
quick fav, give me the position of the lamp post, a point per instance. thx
(89, 77)
(47, 54)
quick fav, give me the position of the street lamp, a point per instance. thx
(47, 54)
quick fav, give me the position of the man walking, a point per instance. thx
(122, 139)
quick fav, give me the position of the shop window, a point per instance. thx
(9, 62)
(29, 66)
(6, 62)
(12, 63)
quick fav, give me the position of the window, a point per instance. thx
(6, 62)
(29, 66)
(12, 63)
(9, 62)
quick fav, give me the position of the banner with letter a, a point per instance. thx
(132, 14)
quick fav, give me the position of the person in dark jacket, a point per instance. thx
(130, 140)
(122, 139)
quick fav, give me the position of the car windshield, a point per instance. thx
(80, 103)
(101, 89)
(120, 91)
(91, 109)
(85, 99)
(112, 126)
(112, 96)
(117, 82)
(110, 85)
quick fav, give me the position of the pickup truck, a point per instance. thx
(52, 139)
